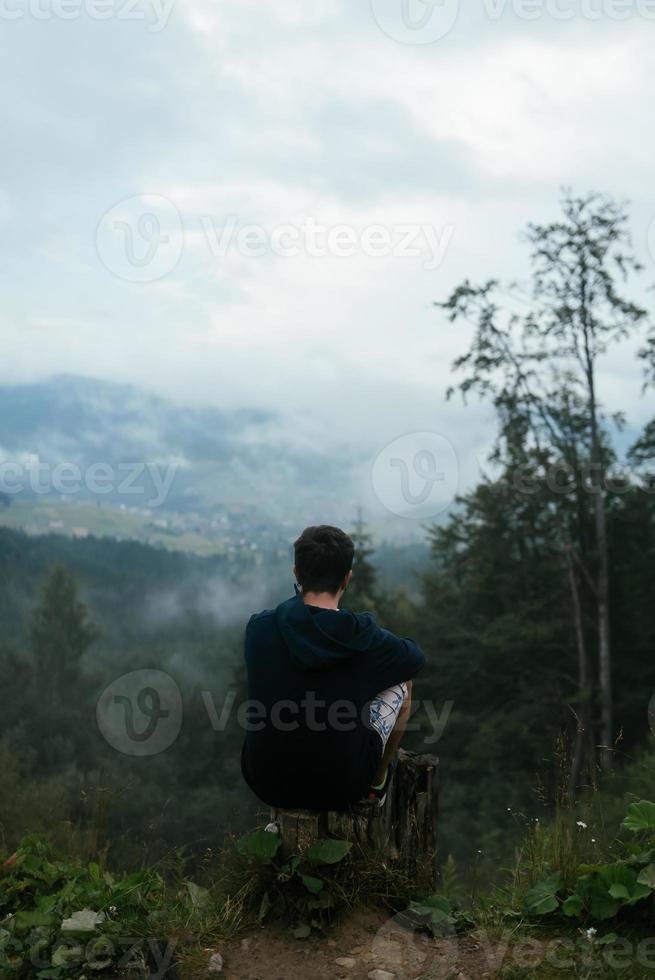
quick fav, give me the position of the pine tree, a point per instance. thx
(362, 592)
(60, 634)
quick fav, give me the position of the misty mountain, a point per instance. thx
(200, 458)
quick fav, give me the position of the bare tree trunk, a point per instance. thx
(582, 719)
(604, 649)
(602, 587)
(402, 832)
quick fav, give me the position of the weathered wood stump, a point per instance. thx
(403, 832)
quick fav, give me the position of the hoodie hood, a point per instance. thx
(318, 639)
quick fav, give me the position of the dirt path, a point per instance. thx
(357, 948)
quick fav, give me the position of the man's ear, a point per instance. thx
(346, 581)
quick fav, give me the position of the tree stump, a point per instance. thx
(402, 832)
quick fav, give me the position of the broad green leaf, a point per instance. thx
(619, 891)
(437, 902)
(542, 898)
(647, 876)
(328, 851)
(622, 884)
(313, 885)
(601, 903)
(262, 845)
(302, 932)
(573, 906)
(640, 816)
(638, 856)
(31, 919)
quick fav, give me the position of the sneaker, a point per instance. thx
(378, 796)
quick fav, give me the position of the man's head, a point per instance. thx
(323, 559)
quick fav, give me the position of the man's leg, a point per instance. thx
(395, 737)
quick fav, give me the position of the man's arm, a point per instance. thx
(393, 659)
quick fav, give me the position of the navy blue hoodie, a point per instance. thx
(312, 674)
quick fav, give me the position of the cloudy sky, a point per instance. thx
(213, 198)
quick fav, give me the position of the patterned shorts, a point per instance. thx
(385, 709)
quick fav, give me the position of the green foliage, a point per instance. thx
(312, 888)
(261, 845)
(328, 851)
(60, 634)
(640, 816)
(438, 915)
(262, 848)
(59, 916)
(542, 898)
(602, 891)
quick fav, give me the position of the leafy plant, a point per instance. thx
(287, 875)
(59, 919)
(601, 891)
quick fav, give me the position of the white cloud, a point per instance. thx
(273, 111)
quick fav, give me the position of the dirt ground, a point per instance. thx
(363, 944)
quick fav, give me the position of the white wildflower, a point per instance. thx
(582, 824)
(590, 934)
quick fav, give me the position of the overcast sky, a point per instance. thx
(298, 117)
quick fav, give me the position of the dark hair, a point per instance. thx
(324, 556)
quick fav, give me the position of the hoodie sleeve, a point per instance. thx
(391, 660)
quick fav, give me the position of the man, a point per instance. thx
(330, 690)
